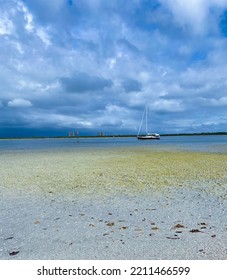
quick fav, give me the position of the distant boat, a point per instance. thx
(146, 136)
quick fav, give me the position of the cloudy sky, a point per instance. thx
(93, 65)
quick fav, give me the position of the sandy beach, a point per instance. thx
(131, 203)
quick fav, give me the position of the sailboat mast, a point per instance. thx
(141, 123)
(146, 119)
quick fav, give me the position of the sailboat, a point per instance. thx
(147, 136)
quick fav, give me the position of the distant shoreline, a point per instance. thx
(110, 136)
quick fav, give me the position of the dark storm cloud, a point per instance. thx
(131, 85)
(81, 82)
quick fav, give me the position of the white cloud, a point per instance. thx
(19, 103)
(43, 35)
(56, 119)
(112, 61)
(18, 47)
(29, 25)
(193, 13)
(214, 102)
(111, 108)
(167, 105)
(6, 25)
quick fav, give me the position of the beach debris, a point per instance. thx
(202, 251)
(203, 224)
(110, 214)
(168, 237)
(104, 234)
(178, 231)
(57, 219)
(110, 224)
(179, 226)
(124, 227)
(195, 230)
(13, 253)
(8, 238)
(213, 236)
(91, 225)
(155, 228)
(82, 214)
(37, 222)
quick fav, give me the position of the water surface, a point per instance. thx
(211, 143)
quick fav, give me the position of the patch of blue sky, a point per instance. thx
(223, 23)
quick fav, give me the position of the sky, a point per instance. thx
(93, 65)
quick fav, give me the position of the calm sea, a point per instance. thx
(214, 143)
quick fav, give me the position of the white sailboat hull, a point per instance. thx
(148, 137)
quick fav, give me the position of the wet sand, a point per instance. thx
(131, 203)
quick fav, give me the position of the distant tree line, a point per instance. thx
(102, 135)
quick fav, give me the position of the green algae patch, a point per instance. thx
(113, 170)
